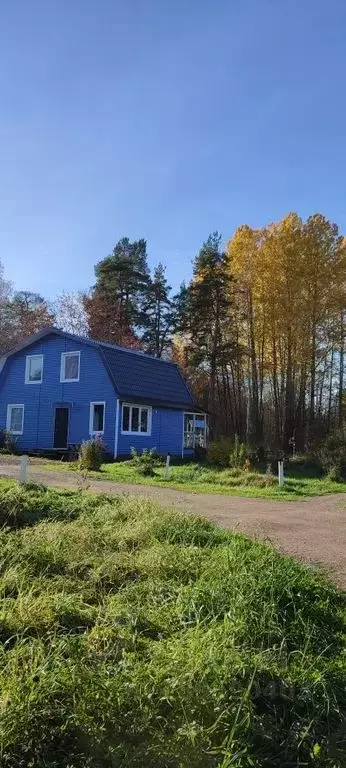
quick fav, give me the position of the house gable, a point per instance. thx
(94, 385)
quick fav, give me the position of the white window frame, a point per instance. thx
(8, 418)
(141, 408)
(64, 355)
(27, 369)
(91, 417)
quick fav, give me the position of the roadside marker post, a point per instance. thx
(167, 466)
(281, 474)
(23, 469)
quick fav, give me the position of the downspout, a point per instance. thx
(116, 436)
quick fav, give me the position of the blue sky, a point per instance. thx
(163, 119)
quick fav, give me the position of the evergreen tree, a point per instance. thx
(115, 306)
(158, 313)
(182, 308)
(123, 278)
(205, 318)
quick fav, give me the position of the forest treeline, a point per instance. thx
(258, 331)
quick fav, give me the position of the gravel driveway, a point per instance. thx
(313, 531)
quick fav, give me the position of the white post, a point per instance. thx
(23, 469)
(167, 466)
(281, 473)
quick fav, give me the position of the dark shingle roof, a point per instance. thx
(140, 377)
(135, 376)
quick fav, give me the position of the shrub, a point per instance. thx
(91, 454)
(306, 465)
(8, 442)
(219, 451)
(334, 475)
(2, 439)
(224, 453)
(145, 462)
(332, 454)
(235, 472)
(238, 456)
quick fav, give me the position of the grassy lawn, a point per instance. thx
(200, 478)
(133, 636)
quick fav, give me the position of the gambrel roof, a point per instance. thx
(136, 377)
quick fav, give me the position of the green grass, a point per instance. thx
(199, 478)
(135, 637)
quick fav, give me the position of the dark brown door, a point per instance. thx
(61, 428)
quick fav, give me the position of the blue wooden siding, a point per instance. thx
(166, 434)
(40, 399)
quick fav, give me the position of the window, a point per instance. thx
(97, 418)
(15, 419)
(195, 430)
(136, 420)
(34, 369)
(70, 364)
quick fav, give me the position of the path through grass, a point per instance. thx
(133, 636)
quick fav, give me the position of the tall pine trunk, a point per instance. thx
(341, 371)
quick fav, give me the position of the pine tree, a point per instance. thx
(205, 319)
(115, 305)
(158, 314)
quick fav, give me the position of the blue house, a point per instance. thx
(57, 389)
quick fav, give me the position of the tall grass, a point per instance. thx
(201, 477)
(301, 480)
(134, 636)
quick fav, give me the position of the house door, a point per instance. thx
(61, 428)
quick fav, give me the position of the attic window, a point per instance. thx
(70, 364)
(136, 420)
(34, 369)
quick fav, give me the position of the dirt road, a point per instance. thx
(313, 531)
